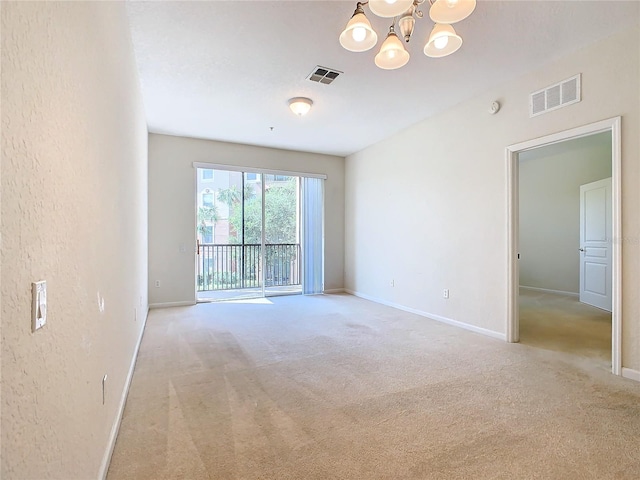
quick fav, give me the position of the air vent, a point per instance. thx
(323, 75)
(555, 96)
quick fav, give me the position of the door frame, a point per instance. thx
(612, 125)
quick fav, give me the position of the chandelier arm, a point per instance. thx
(392, 27)
(359, 8)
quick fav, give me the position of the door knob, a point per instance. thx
(581, 249)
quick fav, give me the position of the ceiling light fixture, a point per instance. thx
(300, 105)
(392, 53)
(443, 41)
(359, 36)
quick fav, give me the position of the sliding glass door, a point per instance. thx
(228, 233)
(281, 234)
(248, 231)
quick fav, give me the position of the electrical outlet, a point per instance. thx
(445, 293)
(157, 283)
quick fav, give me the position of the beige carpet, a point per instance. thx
(335, 387)
(562, 323)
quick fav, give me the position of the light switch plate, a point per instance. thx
(38, 305)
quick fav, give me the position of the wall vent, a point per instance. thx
(561, 94)
(323, 75)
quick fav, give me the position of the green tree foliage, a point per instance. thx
(231, 195)
(207, 216)
(280, 215)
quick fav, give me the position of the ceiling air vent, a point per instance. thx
(555, 96)
(323, 75)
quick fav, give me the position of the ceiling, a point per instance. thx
(224, 70)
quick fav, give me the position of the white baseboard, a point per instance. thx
(106, 460)
(334, 290)
(172, 304)
(547, 290)
(439, 318)
(631, 374)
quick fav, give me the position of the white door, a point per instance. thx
(595, 244)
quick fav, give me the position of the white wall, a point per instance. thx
(442, 183)
(172, 212)
(74, 199)
(549, 190)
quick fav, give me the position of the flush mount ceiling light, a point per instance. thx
(359, 36)
(300, 105)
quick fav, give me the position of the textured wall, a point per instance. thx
(74, 213)
(172, 211)
(550, 179)
(443, 184)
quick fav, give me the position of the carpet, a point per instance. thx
(337, 387)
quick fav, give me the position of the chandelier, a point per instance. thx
(358, 36)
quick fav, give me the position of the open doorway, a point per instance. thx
(564, 247)
(610, 127)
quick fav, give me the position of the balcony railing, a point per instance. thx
(230, 267)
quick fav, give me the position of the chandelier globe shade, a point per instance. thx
(300, 105)
(443, 41)
(358, 36)
(451, 11)
(389, 8)
(392, 53)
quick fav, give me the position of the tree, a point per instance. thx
(230, 196)
(280, 216)
(280, 228)
(207, 215)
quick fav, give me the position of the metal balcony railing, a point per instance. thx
(230, 267)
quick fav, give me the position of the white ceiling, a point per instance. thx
(224, 70)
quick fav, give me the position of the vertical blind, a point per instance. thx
(312, 235)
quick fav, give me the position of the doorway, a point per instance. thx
(610, 127)
(565, 232)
